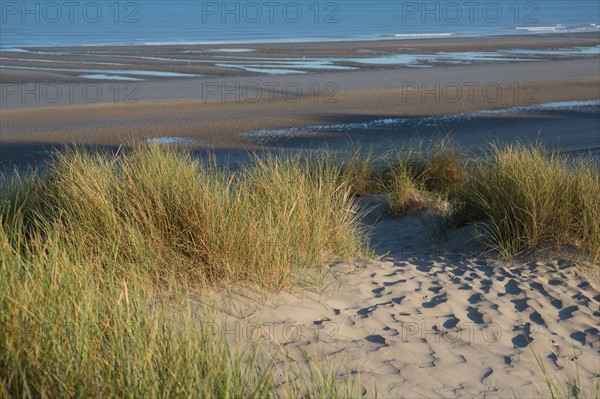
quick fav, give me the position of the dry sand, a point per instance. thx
(430, 321)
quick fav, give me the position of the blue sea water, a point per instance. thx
(63, 23)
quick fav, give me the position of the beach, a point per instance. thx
(224, 112)
(438, 305)
(431, 320)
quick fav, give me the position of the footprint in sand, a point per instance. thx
(582, 336)
(557, 282)
(487, 373)
(435, 301)
(539, 287)
(582, 299)
(537, 318)
(451, 323)
(398, 300)
(475, 298)
(392, 283)
(376, 339)
(511, 288)
(567, 313)
(520, 304)
(557, 303)
(475, 315)
(578, 336)
(523, 336)
(486, 285)
(378, 292)
(435, 289)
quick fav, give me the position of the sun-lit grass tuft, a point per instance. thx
(359, 168)
(72, 326)
(93, 253)
(536, 200)
(403, 194)
(422, 175)
(164, 214)
(443, 168)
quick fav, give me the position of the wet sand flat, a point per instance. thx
(215, 124)
(61, 64)
(217, 112)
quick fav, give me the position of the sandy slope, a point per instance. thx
(434, 321)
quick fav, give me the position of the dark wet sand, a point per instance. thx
(204, 59)
(187, 108)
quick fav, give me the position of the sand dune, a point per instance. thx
(435, 321)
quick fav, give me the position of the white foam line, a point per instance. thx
(232, 50)
(279, 71)
(59, 61)
(265, 135)
(421, 35)
(102, 76)
(13, 50)
(544, 107)
(136, 72)
(553, 28)
(169, 140)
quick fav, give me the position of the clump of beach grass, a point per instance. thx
(533, 199)
(441, 166)
(75, 327)
(524, 197)
(72, 326)
(359, 168)
(423, 175)
(403, 193)
(93, 253)
(161, 212)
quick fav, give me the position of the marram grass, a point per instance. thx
(161, 213)
(92, 253)
(72, 328)
(526, 198)
(534, 200)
